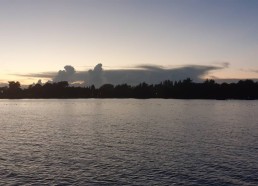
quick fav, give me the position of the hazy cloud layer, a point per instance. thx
(255, 71)
(143, 73)
(44, 75)
(3, 84)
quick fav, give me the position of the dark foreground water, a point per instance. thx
(128, 142)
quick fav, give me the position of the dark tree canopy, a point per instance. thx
(185, 89)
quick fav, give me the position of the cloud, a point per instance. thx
(144, 73)
(155, 74)
(151, 74)
(255, 71)
(3, 84)
(43, 75)
(68, 74)
(95, 76)
(223, 64)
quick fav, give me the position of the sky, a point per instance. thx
(148, 39)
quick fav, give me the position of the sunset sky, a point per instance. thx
(42, 36)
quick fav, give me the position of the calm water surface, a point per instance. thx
(128, 142)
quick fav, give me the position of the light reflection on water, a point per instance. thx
(128, 142)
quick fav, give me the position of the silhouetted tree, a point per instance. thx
(106, 91)
(186, 89)
(14, 90)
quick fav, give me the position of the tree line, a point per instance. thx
(186, 89)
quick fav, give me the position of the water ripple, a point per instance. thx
(128, 142)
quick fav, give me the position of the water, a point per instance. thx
(128, 142)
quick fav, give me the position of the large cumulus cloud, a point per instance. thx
(144, 73)
(68, 74)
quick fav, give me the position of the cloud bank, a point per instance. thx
(144, 73)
